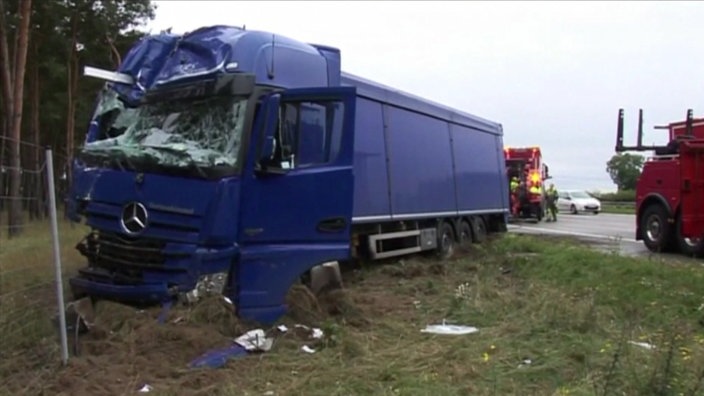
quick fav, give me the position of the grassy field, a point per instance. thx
(553, 318)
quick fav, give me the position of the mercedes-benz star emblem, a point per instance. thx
(134, 218)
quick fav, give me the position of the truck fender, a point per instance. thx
(654, 198)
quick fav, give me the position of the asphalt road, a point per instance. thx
(605, 230)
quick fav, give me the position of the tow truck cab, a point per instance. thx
(526, 164)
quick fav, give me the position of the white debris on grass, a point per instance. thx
(642, 344)
(446, 329)
(255, 340)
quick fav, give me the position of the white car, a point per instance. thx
(577, 201)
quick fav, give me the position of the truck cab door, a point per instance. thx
(297, 191)
(301, 188)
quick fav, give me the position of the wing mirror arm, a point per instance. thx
(270, 124)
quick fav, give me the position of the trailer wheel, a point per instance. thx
(446, 241)
(689, 247)
(479, 230)
(657, 232)
(465, 233)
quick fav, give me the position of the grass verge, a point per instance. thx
(554, 318)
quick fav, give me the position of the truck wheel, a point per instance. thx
(657, 232)
(465, 233)
(689, 247)
(479, 230)
(446, 241)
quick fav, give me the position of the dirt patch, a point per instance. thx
(127, 348)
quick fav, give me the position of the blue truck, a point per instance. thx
(235, 161)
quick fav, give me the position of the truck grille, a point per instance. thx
(116, 252)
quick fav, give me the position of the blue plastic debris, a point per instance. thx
(218, 357)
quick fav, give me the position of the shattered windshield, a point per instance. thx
(202, 132)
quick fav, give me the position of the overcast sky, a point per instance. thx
(553, 73)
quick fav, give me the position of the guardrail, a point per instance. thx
(625, 204)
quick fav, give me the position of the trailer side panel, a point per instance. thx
(479, 170)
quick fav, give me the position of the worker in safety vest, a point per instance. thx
(514, 184)
(513, 188)
(551, 200)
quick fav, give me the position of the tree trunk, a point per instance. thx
(72, 71)
(6, 83)
(37, 200)
(15, 207)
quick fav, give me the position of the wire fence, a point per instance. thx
(33, 245)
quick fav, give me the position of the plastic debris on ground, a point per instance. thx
(255, 340)
(307, 349)
(218, 357)
(448, 329)
(251, 341)
(643, 344)
(146, 388)
(525, 362)
(315, 332)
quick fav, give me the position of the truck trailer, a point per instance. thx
(670, 189)
(234, 161)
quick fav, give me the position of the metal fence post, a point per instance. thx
(57, 254)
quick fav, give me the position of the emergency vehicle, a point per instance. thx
(670, 189)
(526, 174)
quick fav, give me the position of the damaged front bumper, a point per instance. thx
(141, 271)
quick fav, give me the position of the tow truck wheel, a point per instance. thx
(657, 232)
(688, 246)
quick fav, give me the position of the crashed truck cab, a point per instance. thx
(180, 181)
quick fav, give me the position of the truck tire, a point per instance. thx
(689, 247)
(446, 241)
(479, 231)
(464, 233)
(656, 230)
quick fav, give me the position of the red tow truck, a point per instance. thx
(670, 190)
(525, 165)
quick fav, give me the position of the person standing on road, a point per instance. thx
(513, 186)
(551, 200)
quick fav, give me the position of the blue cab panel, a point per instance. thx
(165, 58)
